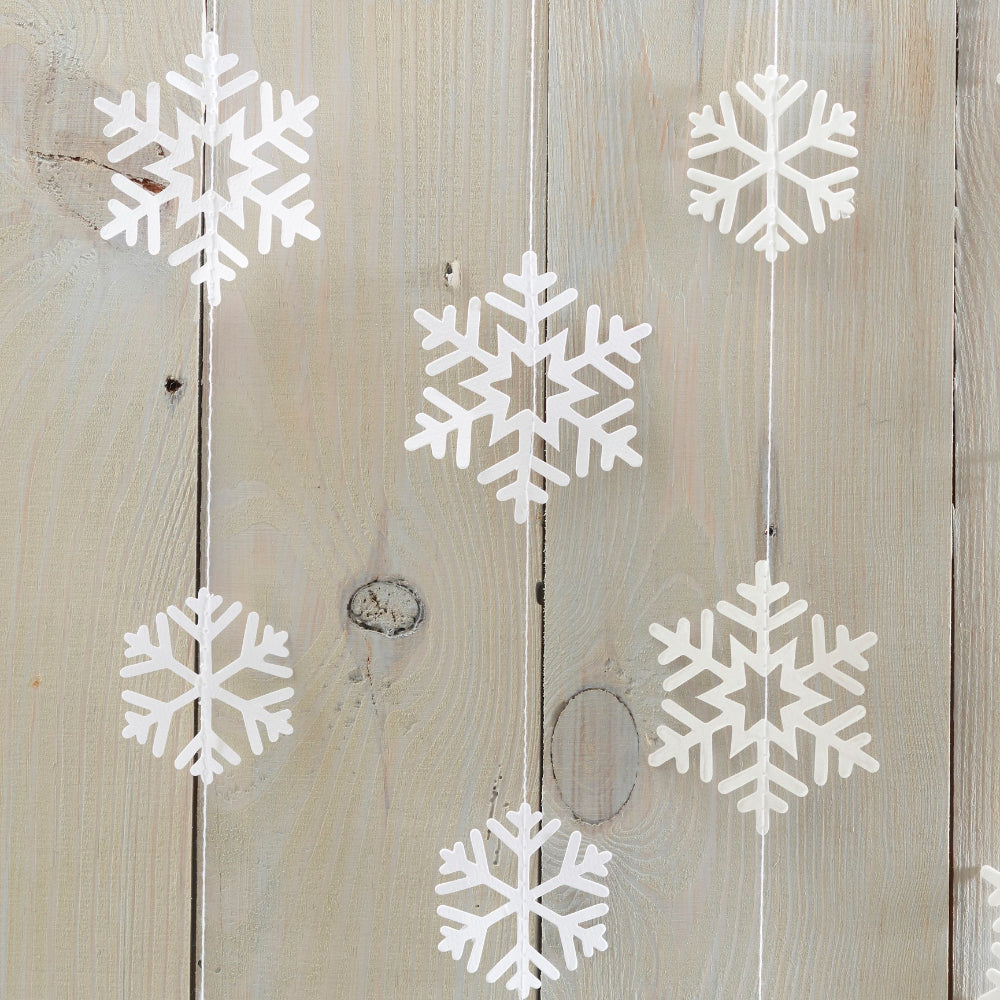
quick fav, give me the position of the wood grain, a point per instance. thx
(976, 751)
(323, 853)
(97, 520)
(862, 488)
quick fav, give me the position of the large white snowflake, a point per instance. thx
(766, 778)
(521, 900)
(548, 357)
(207, 687)
(772, 162)
(181, 169)
(992, 878)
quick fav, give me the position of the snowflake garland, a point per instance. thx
(181, 168)
(767, 780)
(992, 878)
(771, 162)
(522, 900)
(207, 687)
(544, 356)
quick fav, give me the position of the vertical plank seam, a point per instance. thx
(199, 554)
(540, 594)
(954, 497)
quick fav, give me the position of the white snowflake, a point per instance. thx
(206, 687)
(521, 900)
(764, 775)
(181, 168)
(534, 353)
(992, 878)
(772, 161)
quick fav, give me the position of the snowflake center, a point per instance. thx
(219, 167)
(523, 372)
(762, 701)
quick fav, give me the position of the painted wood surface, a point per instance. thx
(400, 579)
(98, 509)
(976, 804)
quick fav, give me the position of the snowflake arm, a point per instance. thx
(435, 432)
(821, 190)
(146, 132)
(724, 135)
(472, 927)
(460, 420)
(202, 750)
(762, 801)
(522, 463)
(159, 714)
(828, 736)
(211, 66)
(272, 204)
(532, 311)
(212, 270)
(573, 873)
(254, 655)
(677, 746)
(125, 118)
(159, 656)
(614, 444)
(255, 714)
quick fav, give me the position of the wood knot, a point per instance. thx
(390, 607)
(595, 754)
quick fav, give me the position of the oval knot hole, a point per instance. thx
(595, 754)
(391, 607)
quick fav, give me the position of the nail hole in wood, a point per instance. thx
(595, 754)
(390, 607)
(172, 384)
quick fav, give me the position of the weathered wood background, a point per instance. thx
(321, 855)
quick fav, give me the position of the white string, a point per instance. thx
(533, 329)
(767, 546)
(208, 533)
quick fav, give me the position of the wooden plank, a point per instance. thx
(862, 490)
(323, 853)
(636, 546)
(976, 773)
(97, 519)
(864, 506)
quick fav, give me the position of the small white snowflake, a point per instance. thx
(992, 878)
(549, 358)
(181, 168)
(771, 162)
(764, 775)
(206, 687)
(521, 900)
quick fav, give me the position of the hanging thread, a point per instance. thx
(773, 137)
(533, 326)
